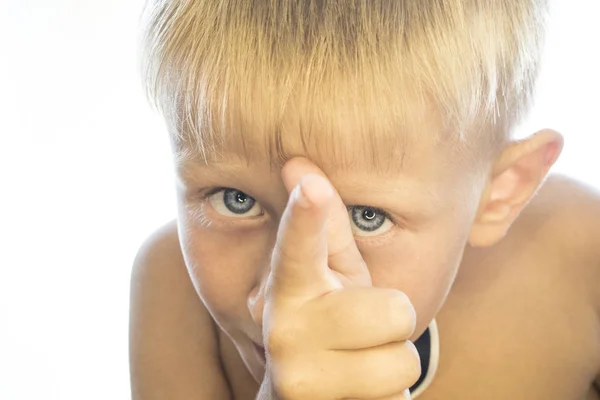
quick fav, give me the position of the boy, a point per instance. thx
(354, 219)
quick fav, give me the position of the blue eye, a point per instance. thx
(234, 203)
(237, 202)
(368, 221)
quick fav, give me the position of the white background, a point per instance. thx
(85, 176)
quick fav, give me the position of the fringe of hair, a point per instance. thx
(243, 75)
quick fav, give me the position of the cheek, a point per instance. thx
(423, 265)
(225, 266)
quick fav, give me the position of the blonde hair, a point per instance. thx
(243, 74)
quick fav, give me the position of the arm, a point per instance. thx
(173, 347)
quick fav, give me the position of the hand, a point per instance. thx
(328, 333)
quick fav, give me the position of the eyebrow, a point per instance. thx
(373, 147)
(233, 158)
(232, 168)
(188, 170)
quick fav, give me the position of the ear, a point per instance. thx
(516, 175)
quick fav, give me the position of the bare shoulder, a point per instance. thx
(174, 348)
(572, 204)
(532, 297)
(565, 217)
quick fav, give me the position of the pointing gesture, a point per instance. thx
(328, 333)
(343, 256)
(300, 256)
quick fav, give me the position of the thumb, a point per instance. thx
(299, 263)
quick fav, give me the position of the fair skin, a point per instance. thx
(506, 301)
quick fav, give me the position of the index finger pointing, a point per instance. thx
(343, 254)
(299, 262)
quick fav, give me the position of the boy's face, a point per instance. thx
(410, 224)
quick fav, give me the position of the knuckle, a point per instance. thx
(289, 256)
(411, 363)
(400, 313)
(397, 299)
(277, 340)
(284, 255)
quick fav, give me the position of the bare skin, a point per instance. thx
(522, 319)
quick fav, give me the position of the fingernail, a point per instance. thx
(300, 197)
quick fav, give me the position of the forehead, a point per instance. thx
(338, 139)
